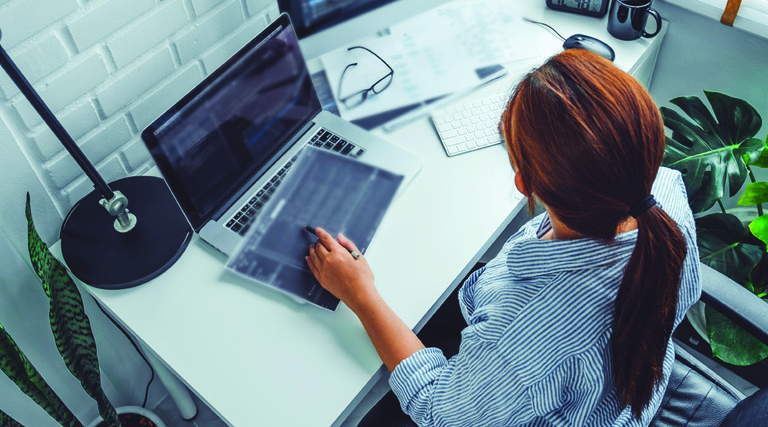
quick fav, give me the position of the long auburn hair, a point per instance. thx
(588, 140)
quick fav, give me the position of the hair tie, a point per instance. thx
(643, 205)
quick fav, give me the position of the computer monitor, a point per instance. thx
(311, 16)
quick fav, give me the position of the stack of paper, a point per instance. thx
(433, 54)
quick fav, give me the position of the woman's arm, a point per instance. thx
(351, 280)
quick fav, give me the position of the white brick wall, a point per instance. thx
(211, 28)
(21, 20)
(142, 36)
(131, 82)
(36, 61)
(107, 68)
(100, 21)
(81, 74)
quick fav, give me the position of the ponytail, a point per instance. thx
(645, 308)
(587, 140)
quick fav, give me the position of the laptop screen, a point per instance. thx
(231, 127)
(312, 16)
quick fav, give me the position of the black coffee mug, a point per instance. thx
(627, 19)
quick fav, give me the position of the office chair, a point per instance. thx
(696, 396)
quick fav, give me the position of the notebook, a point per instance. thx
(228, 142)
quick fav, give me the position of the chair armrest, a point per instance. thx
(735, 302)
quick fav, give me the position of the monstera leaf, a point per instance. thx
(720, 244)
(720, 239)
(731, 343)
(756, 193)
(710, 150)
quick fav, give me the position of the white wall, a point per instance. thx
(700, 53)
(106, 68)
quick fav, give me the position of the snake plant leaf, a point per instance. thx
(20, 370)
(8, 421)
(719, 239)
(69, 322)
(731, 343)
(708, 149)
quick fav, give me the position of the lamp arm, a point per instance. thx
(53, 123)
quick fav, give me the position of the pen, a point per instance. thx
(311, 230)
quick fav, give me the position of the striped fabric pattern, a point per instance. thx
(537, 347)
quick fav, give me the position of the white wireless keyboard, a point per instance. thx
(470, 125)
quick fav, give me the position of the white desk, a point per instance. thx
(258, 358)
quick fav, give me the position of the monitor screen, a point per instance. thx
(311, 16)
(234, 124)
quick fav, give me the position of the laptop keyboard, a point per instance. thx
(242, 220)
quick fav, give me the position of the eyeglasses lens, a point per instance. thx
(355, 99)
(382, 84)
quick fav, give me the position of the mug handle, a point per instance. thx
(657, 17)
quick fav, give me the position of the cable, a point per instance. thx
(545, 25)
(152, 370)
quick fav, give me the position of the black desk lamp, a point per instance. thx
(114, 249)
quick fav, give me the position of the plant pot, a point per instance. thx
(132, 416)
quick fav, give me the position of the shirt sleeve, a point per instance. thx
(439, 392)
(413, 381)
(466, 294)
(436, 391)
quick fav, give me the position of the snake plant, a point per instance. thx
(20, 370)
(715, 152)
(72, 333)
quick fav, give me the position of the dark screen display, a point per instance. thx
(234, 124)
(311, 16)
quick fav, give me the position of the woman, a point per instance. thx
(570, 324)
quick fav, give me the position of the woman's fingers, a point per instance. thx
(321, 250)
(311, 264)
(326, 239)
(346, 243)
(313, 256)
(328, 246)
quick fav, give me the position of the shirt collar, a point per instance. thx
(531, 256)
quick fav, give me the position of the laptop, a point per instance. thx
(225, 146)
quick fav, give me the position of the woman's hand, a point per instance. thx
(347, 278)
(351, 280)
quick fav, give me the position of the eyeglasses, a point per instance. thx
(357, 98)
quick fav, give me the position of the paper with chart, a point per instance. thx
(432, 54)
(322, 189)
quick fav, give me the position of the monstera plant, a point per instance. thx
(73, 336)
(715, 151)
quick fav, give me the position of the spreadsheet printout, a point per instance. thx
(323, 189)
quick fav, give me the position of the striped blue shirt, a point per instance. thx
(537, 347)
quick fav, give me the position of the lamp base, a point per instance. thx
(102, 257)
